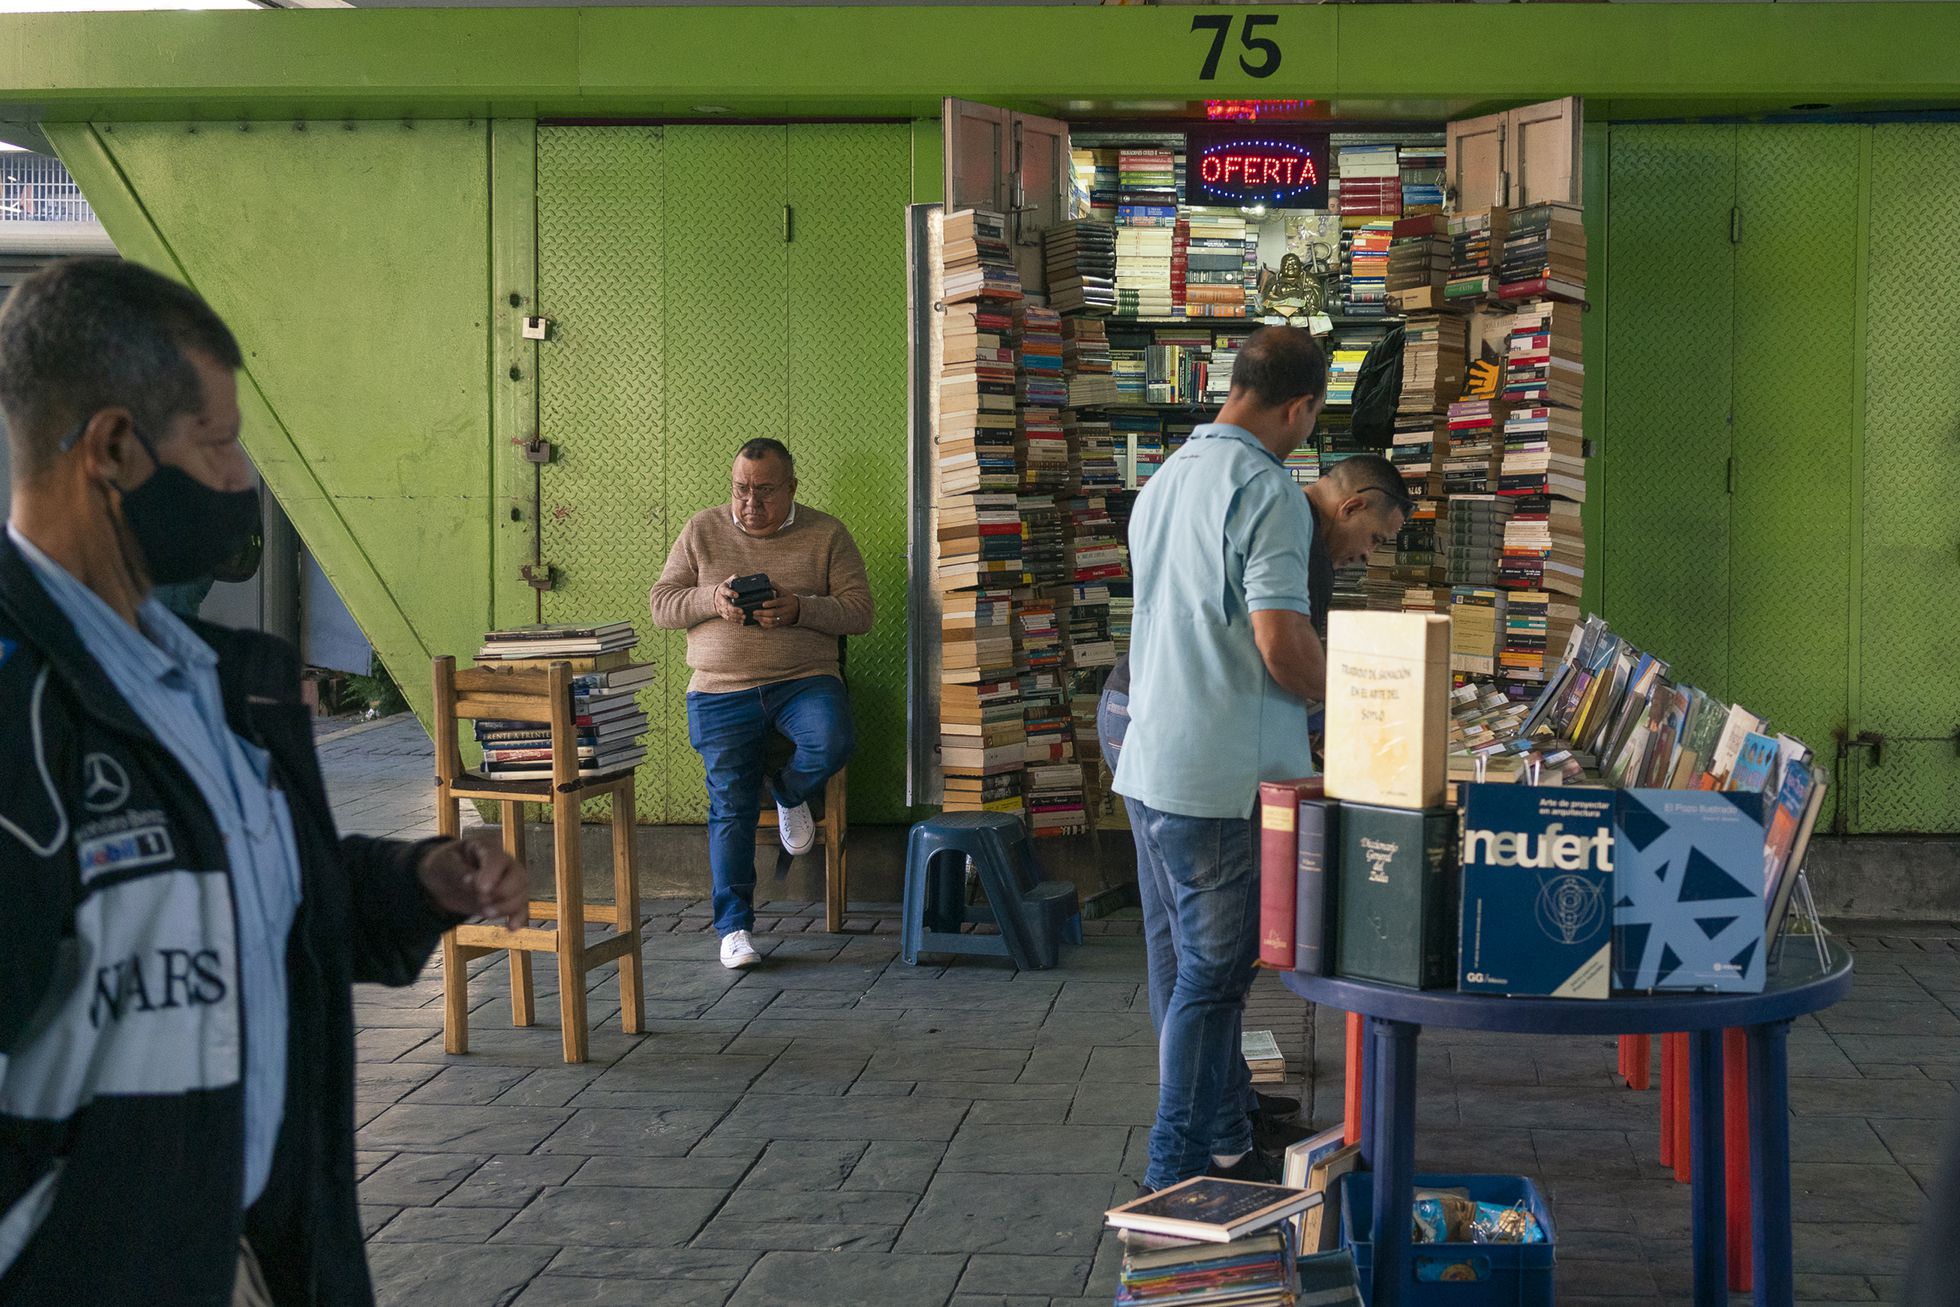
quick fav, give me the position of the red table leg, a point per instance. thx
(1351, 1121)
(1735, 1113)
(1640, 1060)
(1683, 1152)
(1670, 1102)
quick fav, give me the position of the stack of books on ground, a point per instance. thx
(607, 720)
(1471, 465)
(982, 738)
(1262, 1057)
(1544, 253)
(1080, 258)
(978, 261)
(1472, 537)
(1221, 1243)
(978, 398)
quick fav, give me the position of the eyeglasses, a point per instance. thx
(757, 492)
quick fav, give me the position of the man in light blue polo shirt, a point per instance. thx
(1224, 666)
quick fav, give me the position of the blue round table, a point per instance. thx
(1797, 986)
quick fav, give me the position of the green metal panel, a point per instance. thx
(1598, 200)
(726, 346)
(1405, 61)
(848, 188)
(1910, 576)
(1790, 523)
(1669, 279)
(601, 397)
(352, 264)
(513, 379)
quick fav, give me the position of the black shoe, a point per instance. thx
(1275, 1108)
(1271, 1136)
(1254, 1166)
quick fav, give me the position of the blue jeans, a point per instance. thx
(731, 733)
(1159, 950)
(1210, 884)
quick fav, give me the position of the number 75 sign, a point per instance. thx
(1262, 55)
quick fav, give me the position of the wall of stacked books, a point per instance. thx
(1058, 402)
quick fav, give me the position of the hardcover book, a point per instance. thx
(1279, 803)
(1210, 1210)
(1397, 896)
(1388, 685)
(1316, 907)
(1688, 908)
(1537, 891)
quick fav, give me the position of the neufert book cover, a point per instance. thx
(1537, 891)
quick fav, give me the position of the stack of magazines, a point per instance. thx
(605, 711)
(1221, 1243)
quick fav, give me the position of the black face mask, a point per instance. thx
(186, 529)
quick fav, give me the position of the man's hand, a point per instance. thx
(475, 878)
(783, 610)
(725, 604)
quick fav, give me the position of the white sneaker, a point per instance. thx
(737, 953)
(796, 827)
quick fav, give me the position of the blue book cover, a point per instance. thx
(1754, 764)
(1688, 907)
(1537, 891)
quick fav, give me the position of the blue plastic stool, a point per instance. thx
(1035, 915)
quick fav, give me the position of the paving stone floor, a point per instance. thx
(839, 1128)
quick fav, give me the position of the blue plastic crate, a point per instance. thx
(1504, 1274)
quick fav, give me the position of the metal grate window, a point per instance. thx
(36, 188)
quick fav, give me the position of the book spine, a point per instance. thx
(1441, 906)
(1278, 869)
(1314, 907)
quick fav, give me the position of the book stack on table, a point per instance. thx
(1221, 1243)
(606, 713)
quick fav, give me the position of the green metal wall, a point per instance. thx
(1908, 484)
(350, 260)
(709, 285)
(1808, 346)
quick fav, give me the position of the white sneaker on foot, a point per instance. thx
(796, 827)
(737, 953)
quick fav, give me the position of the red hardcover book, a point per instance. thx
(1279, 866)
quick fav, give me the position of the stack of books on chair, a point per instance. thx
(605, 711)
(1210, 1241)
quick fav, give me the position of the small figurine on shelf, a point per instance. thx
(1290, 293)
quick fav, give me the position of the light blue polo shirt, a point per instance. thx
(1220, 532)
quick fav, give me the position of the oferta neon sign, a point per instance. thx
(1286, 172)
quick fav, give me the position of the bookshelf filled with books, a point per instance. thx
(1059, 404)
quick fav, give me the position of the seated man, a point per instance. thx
(773, 669)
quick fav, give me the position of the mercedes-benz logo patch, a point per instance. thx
(105, 785)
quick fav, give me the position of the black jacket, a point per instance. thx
(121, 1028)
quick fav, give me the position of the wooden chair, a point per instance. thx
(537, 696)
(833, 828)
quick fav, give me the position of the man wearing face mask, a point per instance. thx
(176, 1032)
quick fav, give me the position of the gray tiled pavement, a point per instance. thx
(840, 1128)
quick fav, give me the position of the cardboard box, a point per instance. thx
(1537, 891)
(1388, 708)
(1397, 896)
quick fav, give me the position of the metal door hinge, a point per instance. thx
(789, 224)
(540, 576)
(1875, 742)
(539, 450)
(1735, 225)
(1731, 476)
(537, 328)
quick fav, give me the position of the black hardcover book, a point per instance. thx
(1397, 899)
(1315, 905)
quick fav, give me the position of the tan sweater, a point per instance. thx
(813, 558)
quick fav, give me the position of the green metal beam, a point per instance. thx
(1407, 61)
